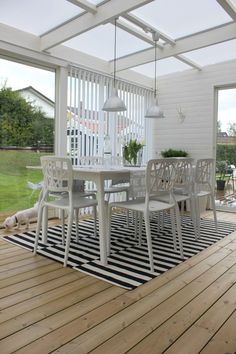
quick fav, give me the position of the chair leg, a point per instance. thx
(77, 225)
(193, 215)
(172, 219)
(149, 241)
(68, 237)
(136, 216)
(140, 223)
(214, 210)
(198, 217)
(127, 211)
(179, 232)
(39, 224)
(63, 226)
(95, 220)
(108, 240)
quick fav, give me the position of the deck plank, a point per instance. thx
(50, 309)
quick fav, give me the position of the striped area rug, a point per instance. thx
(128, 265)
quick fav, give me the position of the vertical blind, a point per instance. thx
(88, 125)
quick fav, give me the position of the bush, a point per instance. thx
(174, 153)
(226, 152)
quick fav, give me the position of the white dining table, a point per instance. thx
(98, 175)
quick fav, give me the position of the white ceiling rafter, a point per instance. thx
(124, 26)
(183, 45)
(85, 5)
(87, 21)
(147, 39)
(228, 7)
(148, 28)
(188, 62)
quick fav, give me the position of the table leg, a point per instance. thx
(45, 225)
(102, 217)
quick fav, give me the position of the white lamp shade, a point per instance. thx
(114, 103)
(154, 111)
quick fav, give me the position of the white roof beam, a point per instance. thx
(124, 26)
(105, 13)
(85, 5)
(183, 45)
(147, 28)
(188, 62)
(228, 7)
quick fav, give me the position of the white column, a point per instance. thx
(61, 111)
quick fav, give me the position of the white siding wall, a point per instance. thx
(193, 91)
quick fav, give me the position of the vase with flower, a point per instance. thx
(133, 153)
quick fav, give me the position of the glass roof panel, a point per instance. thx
(164, 67)
(183, 17)
(27, 15)
(214, 54)
(99, 42)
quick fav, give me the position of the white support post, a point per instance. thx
(61, 112)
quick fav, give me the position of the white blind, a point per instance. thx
(87, 124)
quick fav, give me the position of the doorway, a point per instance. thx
(226, 149)
(27, 95)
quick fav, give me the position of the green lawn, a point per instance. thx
(14, 193)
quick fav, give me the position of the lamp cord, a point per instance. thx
(155, 79)
(114, 78)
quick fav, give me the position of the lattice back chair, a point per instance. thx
(160, 177)
(203, 180)
(58, 178)
(183, 187)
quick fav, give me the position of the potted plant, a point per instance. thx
(223, 170)
(174, 153)
(132, 153)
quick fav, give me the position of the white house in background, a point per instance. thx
(37, 99)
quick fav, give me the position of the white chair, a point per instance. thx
(183, 187)
(203, 180)
(58, 178)
(160, 178)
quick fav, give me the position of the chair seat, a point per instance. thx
(139, 205)
(77, 202)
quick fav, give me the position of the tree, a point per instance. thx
(21, 124)
(232, 129)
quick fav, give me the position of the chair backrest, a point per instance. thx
(57, 172)
(204, 171)
(160, 176)
(184, 175)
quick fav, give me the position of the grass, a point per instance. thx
(14, 193)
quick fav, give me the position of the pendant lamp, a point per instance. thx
(154, 110)
(114, 103)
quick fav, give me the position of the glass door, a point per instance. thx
(226, 150)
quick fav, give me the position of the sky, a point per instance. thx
(18, 76)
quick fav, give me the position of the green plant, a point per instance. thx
(130, 151)
(222, 169)
(174, 153)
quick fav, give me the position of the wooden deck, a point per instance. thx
(46, 308)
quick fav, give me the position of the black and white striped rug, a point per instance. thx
(128, 265)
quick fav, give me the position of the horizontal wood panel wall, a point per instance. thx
(193, 91)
